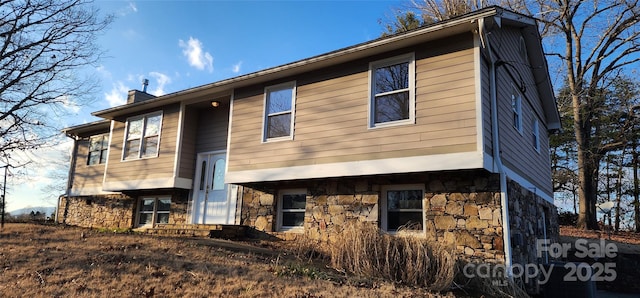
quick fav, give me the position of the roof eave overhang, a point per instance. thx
(467, 23)
(87, 128)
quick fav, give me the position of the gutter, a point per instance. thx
(495, 138)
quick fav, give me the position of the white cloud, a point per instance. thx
(133, 7)
(69, 104)
(128, 9)
(102, 70)
(161, 81)
(236, 67)
(118, 94)
(197, 57)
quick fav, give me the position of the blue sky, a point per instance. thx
(184, 44)
(179, 45)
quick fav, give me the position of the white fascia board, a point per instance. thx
(89, 191)
(169, 182)
(439, 162)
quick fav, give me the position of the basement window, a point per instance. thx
(402, 207)
(291, 209)
(154, 211)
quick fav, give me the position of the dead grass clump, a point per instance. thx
(363, 249)
(492, 283)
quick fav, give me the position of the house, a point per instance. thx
(443, 130)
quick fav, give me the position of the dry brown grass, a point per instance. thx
(363, 250)
(495, 286)
(53, 261)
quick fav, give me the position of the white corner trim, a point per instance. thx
(169, 182)
(439, 162)
(178, 155)
(477, 65)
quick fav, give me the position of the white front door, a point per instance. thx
(212, 202)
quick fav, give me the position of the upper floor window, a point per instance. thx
(536, 134)
(516, 107)
(291, 209)
(98, 147)
(402, 207)
(142, 138)
(279, 110)
(392, 83)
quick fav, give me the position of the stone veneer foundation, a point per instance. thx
(116, 210)
(462, 209)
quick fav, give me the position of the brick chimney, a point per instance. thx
(138, 96)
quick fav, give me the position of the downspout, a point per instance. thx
(72, 168)
(495, 138)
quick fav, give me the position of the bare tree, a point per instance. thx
(424, 12)
(597, 41)
(43, 46)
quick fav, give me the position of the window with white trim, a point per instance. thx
(154, 211)
(142, 138)
(291, 209)
(279, 111)
(98, 147)
(536, 134)
(402, 207)
(516, 108)
(392, 98)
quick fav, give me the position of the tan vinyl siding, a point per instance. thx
(188, 149)
(331, 123)
(212, 129)
(145, 168)
(517, 149)
(486, 108)
(86, 176)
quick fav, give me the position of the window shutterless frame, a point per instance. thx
(291, 209)
(142, 136)
(279, 112)
(392, 91)
(516, 108)
(401, 205)
(535, 132)
(98, 149)
(153, 211)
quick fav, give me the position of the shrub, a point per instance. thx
(567, 218)
(364, 250)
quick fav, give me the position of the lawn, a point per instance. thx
(57, 261)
